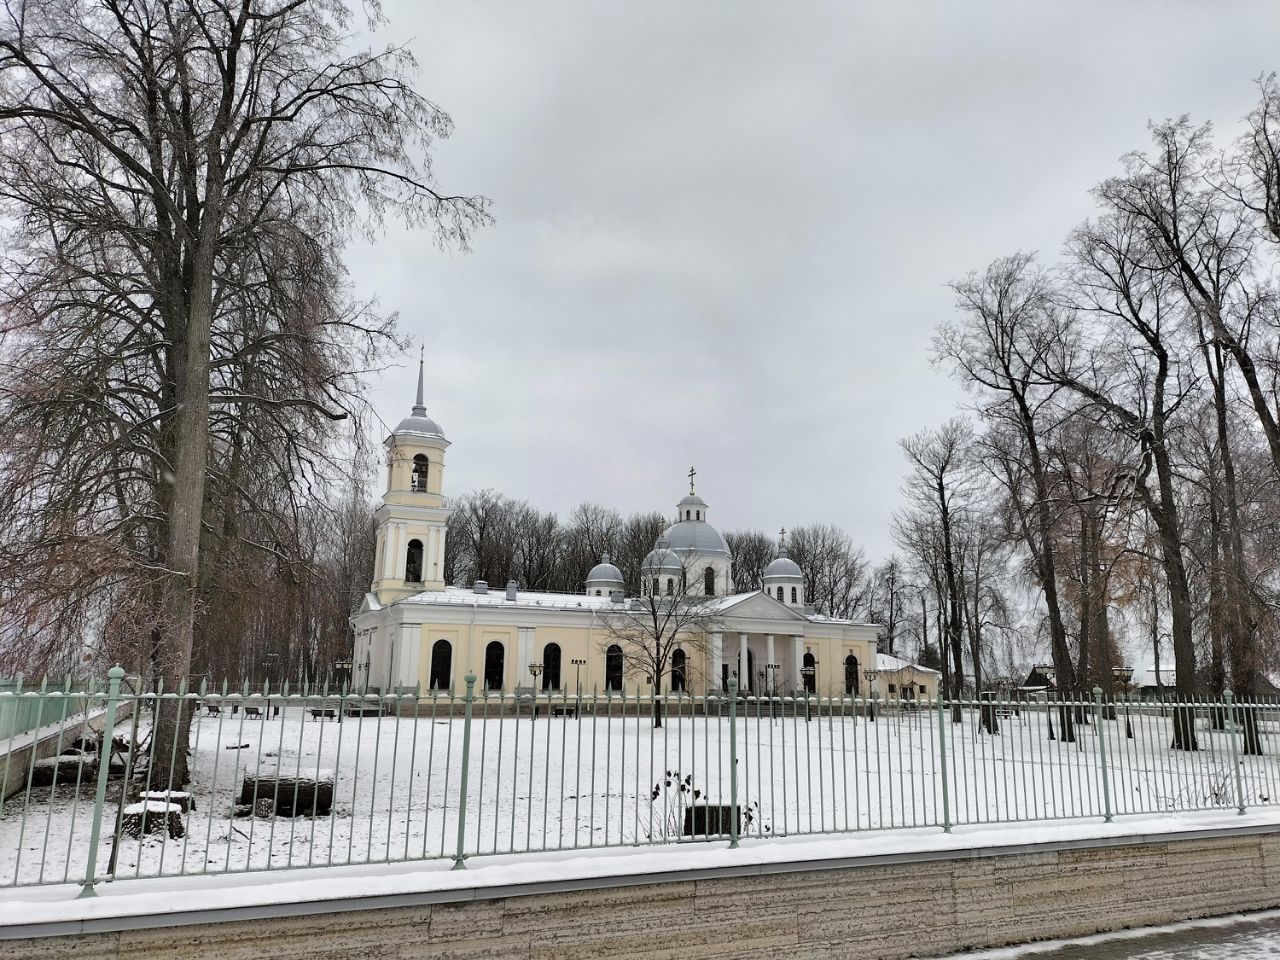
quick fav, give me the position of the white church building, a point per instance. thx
(414, 630)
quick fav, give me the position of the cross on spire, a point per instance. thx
(692, 473)
(782, 537)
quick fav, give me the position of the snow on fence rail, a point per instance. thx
(280, 780)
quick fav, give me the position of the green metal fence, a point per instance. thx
(284, 778)
(20, 715)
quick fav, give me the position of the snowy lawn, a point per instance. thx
(601, 779)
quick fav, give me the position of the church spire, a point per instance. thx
(419, 408)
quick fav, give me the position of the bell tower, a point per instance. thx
(411, 519)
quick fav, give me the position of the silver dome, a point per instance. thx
(695, 536)
(419, 425)
(661, 559)
(604, 572)
(783, 567)
(692, 500)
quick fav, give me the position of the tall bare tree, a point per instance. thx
(181, 176)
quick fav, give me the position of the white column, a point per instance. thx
(769, 677)
(717, 660)
(797, 661)
(397, 552)
(744, 677)
(409, 654)
(524, 653)
(388, 551)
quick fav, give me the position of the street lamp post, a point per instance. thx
(535, 668)
(1124, 675)
(772, 688)
(871, 675)
(809, 671)
(577, 666)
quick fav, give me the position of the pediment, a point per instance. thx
(761, 606)
(370, 603)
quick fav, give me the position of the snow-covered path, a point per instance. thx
(1255, 937)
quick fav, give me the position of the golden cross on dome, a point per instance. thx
(692, 473)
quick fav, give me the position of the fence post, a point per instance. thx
(1102, 751)
(114, 676)
(459, 855)
(733, 762)
(1228, 696)
(942, 759)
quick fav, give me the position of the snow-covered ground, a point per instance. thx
(604, 779)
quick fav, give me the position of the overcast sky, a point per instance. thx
(724, 230)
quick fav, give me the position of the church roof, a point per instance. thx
(695, 536)
(604, 572)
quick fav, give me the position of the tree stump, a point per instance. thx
(293, 794)
(152, 816)
(181, 798)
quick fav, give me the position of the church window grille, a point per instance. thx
(598, 593)
(671, 586)
(810, 676)
(613, 667)
(495, 656)
(780, 595)
(709, 581)
(793, 594)
(413, 562)
(655, 590)
(851, 675)
(551, 667)
(678, 661)
(441, 665)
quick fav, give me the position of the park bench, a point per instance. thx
(253, 712)
(323, 713)
(563, 711)
(213, 709)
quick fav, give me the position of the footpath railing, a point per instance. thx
(282, 779)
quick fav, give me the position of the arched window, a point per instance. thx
(441, 665)
(709, 581)
(810, 676)
(613, 667)
(418, 483)
(678, 661)
(551, 666)
(413, 562)
(495, 656)
(780, 595)
(851, 676)
(598, 593)
(697, 514)
(655, 591)
(671, 586)
(793, 594)
(686, 514)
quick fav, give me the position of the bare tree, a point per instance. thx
(752, 551)
(652, 631)
(176, 171)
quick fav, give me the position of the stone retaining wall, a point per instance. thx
(881, 910)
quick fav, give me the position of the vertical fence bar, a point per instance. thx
(1228, 697)
(942, 762)
(733, 762)
(114, 676)
(1102, 752)
(459, 856)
